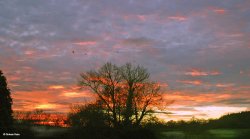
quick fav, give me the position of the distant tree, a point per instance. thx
(88, 115)
(6, 118)
(126, 92)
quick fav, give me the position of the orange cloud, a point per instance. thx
(71, 94)
(77, 94)
(31, 100)
(198, 72)
(13, 78)
(56, 98)
(46, 106)
(219, 11)
(56, 87)
(183, 97)
(163, 84)
(193, 82)
(84, 43)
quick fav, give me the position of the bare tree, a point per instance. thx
(146, 96)
(104, 83)
(126, 92)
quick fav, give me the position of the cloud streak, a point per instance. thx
(198, 72)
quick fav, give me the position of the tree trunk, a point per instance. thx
(128, 111)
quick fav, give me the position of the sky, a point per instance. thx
(199, 50)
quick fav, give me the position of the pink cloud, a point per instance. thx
(178, 18)
(141, 17)
(29, 52)
(225, 85)
(138, 17)
(198, 72)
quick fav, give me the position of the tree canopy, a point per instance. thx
(6, 118)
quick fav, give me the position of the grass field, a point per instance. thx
(46, 131)
(41, 131)
(207, 134)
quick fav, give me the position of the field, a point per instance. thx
(207, 134)
(38, 131)
(47, 132)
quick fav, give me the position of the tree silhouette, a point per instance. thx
(6, 118)
(126, 93)
(88, 115)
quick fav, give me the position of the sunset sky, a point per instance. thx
(199, 50)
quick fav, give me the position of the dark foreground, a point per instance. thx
(44, 132)
(41, 132)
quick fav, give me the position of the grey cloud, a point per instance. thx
(138, 41)
(235, 101)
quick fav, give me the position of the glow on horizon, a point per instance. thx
(217, 111)
(201, 112)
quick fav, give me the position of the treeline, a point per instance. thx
(233, 120)
(39, 117)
